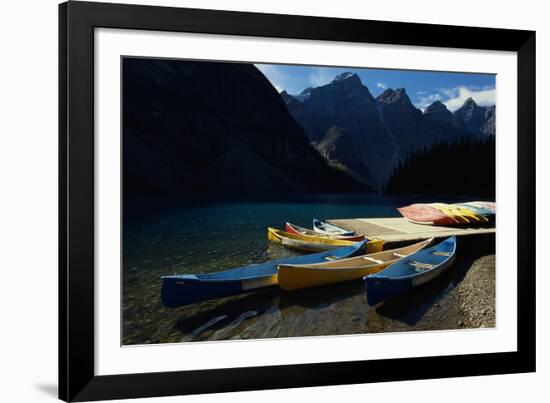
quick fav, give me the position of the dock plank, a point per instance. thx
(398, 229)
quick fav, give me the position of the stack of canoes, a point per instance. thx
(450, 214)
(486, 209)
(386, 273)
(308, 243)
(323, 237)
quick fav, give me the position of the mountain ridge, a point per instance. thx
(381, 130)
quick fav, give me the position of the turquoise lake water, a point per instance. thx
(166, 236)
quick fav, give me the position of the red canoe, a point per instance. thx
(295, 229)
(424, 214)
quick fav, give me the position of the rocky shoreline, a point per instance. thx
(477, 291)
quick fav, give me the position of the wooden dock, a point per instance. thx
(398, 229)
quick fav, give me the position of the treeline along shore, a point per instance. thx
(462, 167)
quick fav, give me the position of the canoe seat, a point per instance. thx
(398, 254)
(439, 253)
(373, 259)
(421, 265)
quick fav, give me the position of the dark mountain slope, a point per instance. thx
(346, 104)
(438, 112)
(203, 127)
(337, 145)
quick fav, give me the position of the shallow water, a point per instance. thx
(165, 236)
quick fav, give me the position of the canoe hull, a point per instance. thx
(453, 213)
(486, 205)
(185, 289)
(444, 214)
(180, 291)
(489, 214)
(461, 213)
(300, 277)
(410, 272)
(424, 214)
(295, 277)
(379, 289)
(306, 246)
(314, 244)
(295, 229)
(330, 229)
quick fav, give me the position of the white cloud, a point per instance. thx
(426, 100)
(454, 98)
(482, 97)
(381, 85)
(320, 76)
(449, 92)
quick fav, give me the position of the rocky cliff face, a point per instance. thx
(339, 146)
(402, 119)
(477, 119)
(411, 129)
(345, 106)
(347, 124)
(215, 128)
(438, 112)
(489, 126)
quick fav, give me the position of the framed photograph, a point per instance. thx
(256, 201)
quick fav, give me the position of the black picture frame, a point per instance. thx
(77, 21)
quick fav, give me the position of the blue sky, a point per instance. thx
(423, 87)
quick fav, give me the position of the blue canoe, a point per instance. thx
(185, 289)
(410, 272)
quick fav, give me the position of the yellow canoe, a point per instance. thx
(460, 213)
(316, 244)
(469, 213)
(450, 212)
(295, 277)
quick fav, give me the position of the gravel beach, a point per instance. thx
(477, 293)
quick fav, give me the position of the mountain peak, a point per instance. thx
(469, 102)
(290, 99)
(436, 106)
(347, 75)
(438, 112)
(391, 96)
(302, 96)
(347, 80)
(477, 119)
